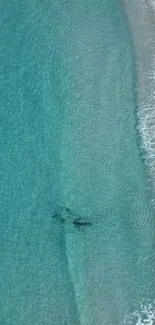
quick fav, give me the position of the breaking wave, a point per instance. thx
(146, 119)
(141, 15)
(144, 314)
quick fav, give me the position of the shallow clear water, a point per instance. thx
(35, 285)
(68, 138)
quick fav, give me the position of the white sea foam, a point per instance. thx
(141, 14)
(146, 119)
(144, 314)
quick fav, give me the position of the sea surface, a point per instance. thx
(72, 145)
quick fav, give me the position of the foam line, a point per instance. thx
(141, 15)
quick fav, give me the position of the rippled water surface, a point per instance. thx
(70, 149)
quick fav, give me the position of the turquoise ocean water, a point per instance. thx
(68, 138)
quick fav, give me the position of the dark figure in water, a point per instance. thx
(66, 214)
(58, 216)
(79, 223)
